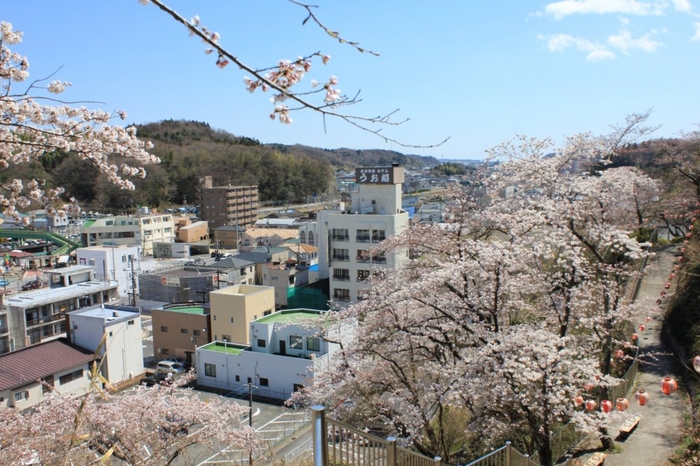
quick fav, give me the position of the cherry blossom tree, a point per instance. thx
(144, 425)
(34, 124)
(507, 313)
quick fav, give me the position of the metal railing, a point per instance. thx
(335, 443)
(504, 456)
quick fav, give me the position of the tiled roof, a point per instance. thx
(31, 364)
(268, 232)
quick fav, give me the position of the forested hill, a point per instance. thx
(190, 150)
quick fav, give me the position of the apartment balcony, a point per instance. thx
(341, 278)
(341, 258)
(362, 239)
(340, 238)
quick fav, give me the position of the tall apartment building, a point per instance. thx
(347, 234)
(228, 205)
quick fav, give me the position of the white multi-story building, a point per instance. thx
(284, 356)
(121, 350)
(346, 235)
(138, 230)
(120, 263)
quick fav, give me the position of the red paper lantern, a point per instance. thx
(647, 319)
(642, 327)
(578, 400)
(622, 404)
(591, 405)
(619, 354)
(642, 397)
(606, 406)
(668, 385)
(634, 337)
(672, 276)
(667, 285)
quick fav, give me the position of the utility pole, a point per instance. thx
(132, 300)
(250, 415)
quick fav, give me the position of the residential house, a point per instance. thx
(30, 375)
(196, 232)
(228, 236)
(120, 263)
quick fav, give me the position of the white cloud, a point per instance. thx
(625, 42)
(696, 37)
(682, 5)
(565, 8)
(594, 51)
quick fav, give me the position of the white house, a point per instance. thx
(120, 263)
(122, 350)
(283, 357)
(30, 375)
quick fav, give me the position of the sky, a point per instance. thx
(478, 72)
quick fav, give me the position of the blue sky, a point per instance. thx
(479, 72)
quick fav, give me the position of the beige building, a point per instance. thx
(234, 307)
(228, 236)
(228, 205)
(137, 230)
(179, 329)
(188, 232)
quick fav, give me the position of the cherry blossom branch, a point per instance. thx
(287, 73)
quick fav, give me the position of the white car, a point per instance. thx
(169, 367)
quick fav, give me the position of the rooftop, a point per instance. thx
(224, 347)
(289, 317)
(191, 309)
(36, 362)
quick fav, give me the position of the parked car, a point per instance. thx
(153, 379)
(174, 359)
(33, 285)
(169, 367)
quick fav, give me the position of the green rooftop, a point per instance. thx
(221, 347)
(187, 309)
(289, 317)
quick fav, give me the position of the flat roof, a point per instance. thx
(187, 309)
(289, 317)
(224, 347)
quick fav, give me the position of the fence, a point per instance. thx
(335, 443)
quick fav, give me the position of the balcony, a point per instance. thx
(340, 238)
(341, 257)
(362, 239)
(341, 278)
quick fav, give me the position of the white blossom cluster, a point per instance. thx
(30, 128)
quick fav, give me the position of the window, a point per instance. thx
(165, 351)
(261, 343)
(340, 234)
(378, 235)
(267, 313)
(238, 378)
(379, 258)
(64, 379)
(184, 330)
(164, 328)
(362, 275)
(341, 294)
(362, 236)
(341, 275)
(196, 332)
(362, 256)
(250, 380)
(23, 395)
(313, 344)
(296, 342)
(226, 337)
(340, 254)
(214, 317)
(264, 382)
(231, 319)
(209, 369)
(130, 322)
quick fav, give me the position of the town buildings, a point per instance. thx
(283, 357)
(138, 230)
(112, 332)
(37, 316)
(228, 205)
(179, 328)
(234, 307)
(348, 233)
(31, 375)
(120, 263)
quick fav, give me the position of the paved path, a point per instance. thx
(658, 434)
